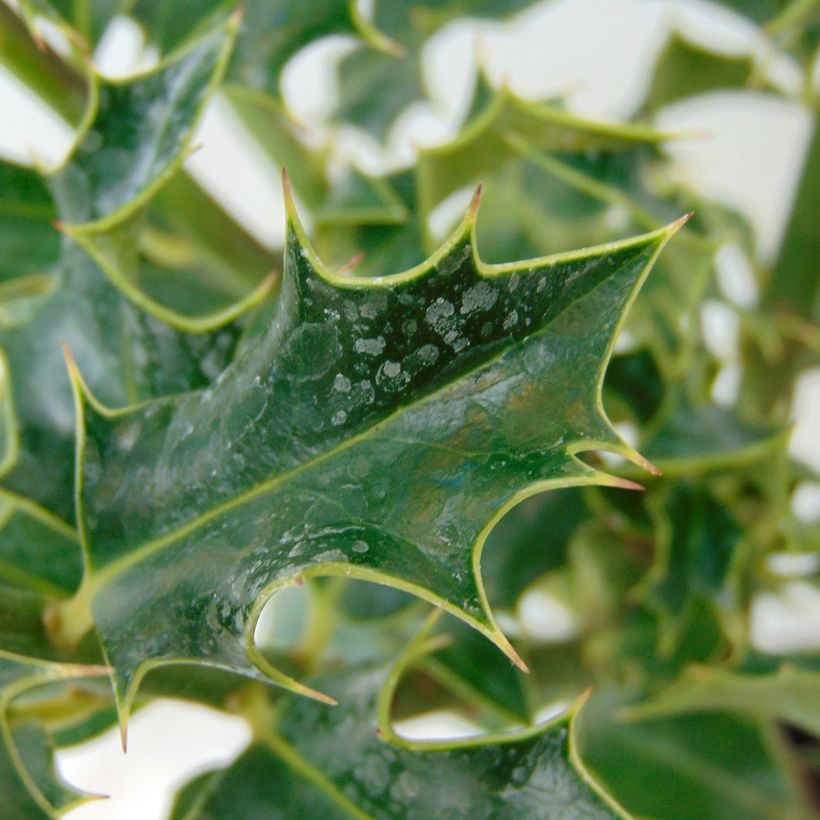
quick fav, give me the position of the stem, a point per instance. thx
(67, 622)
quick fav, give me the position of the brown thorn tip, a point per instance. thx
(476, 200)
(69, 356)
(626, 484)
(507, 648)
(350, 264)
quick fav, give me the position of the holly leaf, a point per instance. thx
(374, 87)
(349, 761)
(30, 784)
(788, 695)
(122, 156)
(508, 123)
(132, 354)
(684, 69)
(696, 539)
(691, 766)
(454, 372)
(34, 62)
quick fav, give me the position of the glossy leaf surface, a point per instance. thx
(410, 371)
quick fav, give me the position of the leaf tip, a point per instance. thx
(475, 202)
(290, 203)
(622, 483)
(350, 264)
(500, 640)
(675, 226)
(237, 15)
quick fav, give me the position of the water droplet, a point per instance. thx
(406, 787)
(372, 347)
(341, 383)
(127, 436)
(360, 546)
(438, 313)
(481, 296)
(362, 393)
(339, 417)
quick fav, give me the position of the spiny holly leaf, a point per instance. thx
(688, 767)
(30, 784)
(39, 68)
(684, 69)
(782, 338)
(695, 541)
(375, 87)
(789, 695)
(454, 373)
(29, 246)
(137, 133)
(493, 136)
(81, 308)
(349, 761)
(347, 199)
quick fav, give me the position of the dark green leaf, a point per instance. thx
(693, 766)
(410, 376)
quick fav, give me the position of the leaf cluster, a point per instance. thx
(326, 496)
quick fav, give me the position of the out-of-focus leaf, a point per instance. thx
(348, 761)
(692, 766)
(783, 339)
(790, 695)
(123, 155)
(695, 540)
(36, 65)
(531, 539)
(495, 136)
(689, 439)
(31, 787)
(684, 69)
(375, 87)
